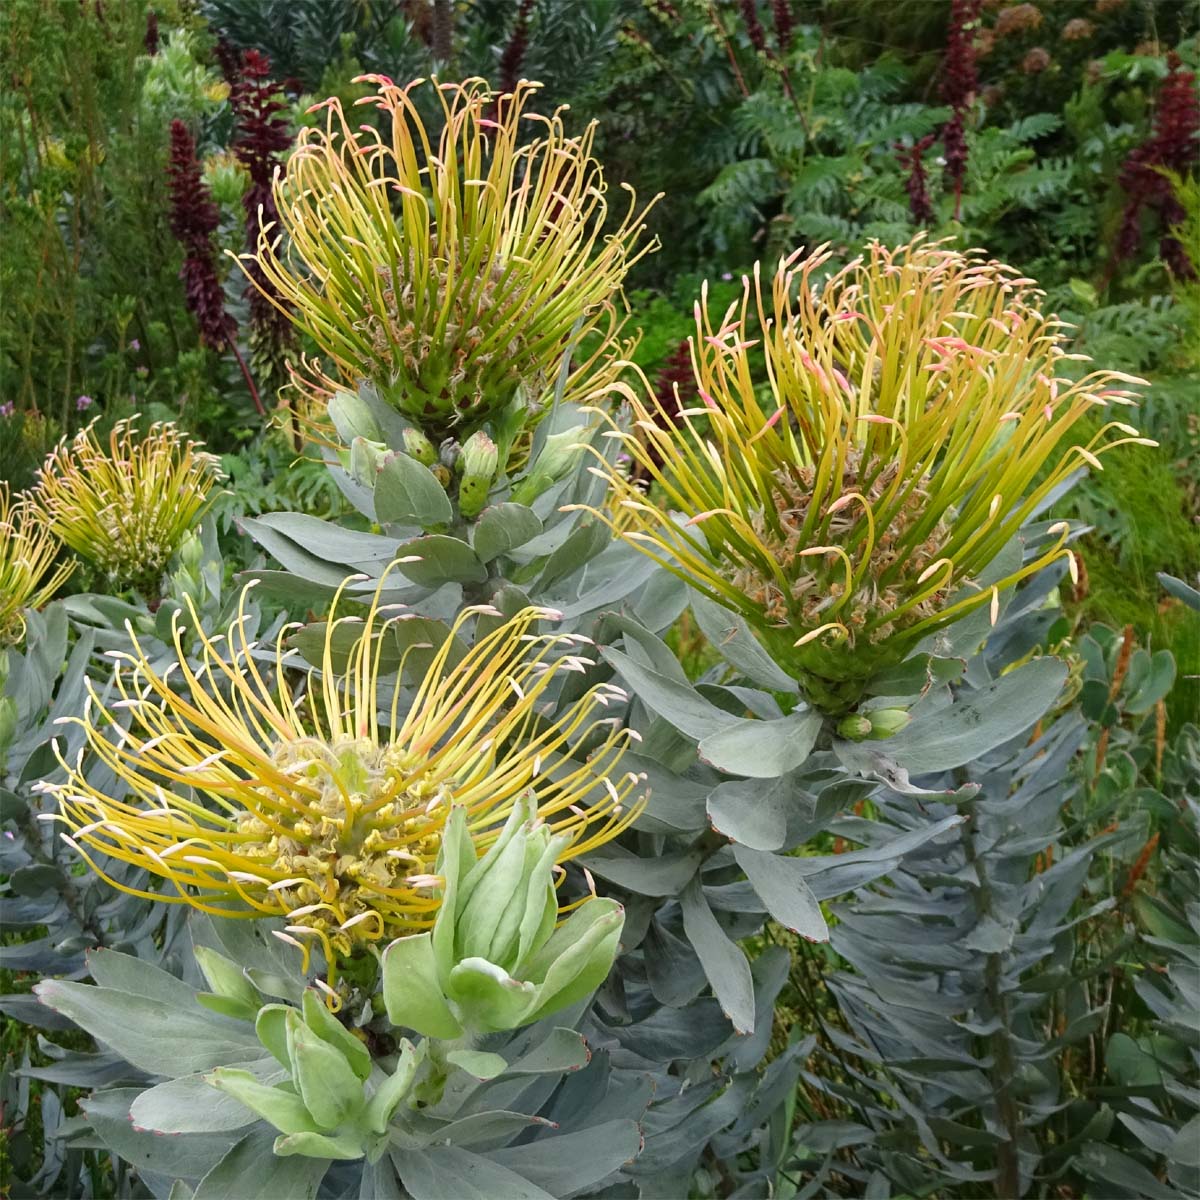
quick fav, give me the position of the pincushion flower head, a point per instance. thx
(450, 271)
(310, 798)
(127, 507)
(858, 461)
(28, 574)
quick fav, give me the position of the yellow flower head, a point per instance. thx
(28, 576)
(450, 271)
(302, 798)
(866, 456)
(126, 510)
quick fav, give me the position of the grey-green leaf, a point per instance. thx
(442, 559)
(780, 884)
(731, 638)
(978, 721)
(723, 961)
(156, 1036)
(504, 527)
(763, 749)
(407, 493)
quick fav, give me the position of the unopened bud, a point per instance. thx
(496, 958)
(854, 728)
(352, 418)
(558, 456)
(191, 554)
(479, 461)
(887, 721)
(418, 446)
(366, 458)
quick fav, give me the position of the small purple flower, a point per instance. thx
(7, 409)
(135, 344)
(83, 403)
(142, 372)
(727, 275)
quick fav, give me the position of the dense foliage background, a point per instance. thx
(137, 141)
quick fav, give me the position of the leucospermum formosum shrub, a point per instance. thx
(126, 509)
(862, 455)
(451, 272)
(325, 809)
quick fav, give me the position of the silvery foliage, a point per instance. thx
(742, 774)
(520, 549)
(968, 991)
(54, 912)
(51, 913)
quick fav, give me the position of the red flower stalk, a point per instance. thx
(754, 29)
(151, 40)
(1172, 146)
(228, 60)
(514, 51)
(785, 26)
(194, 218)
(262, 135)
(917, 186)
(959, 82)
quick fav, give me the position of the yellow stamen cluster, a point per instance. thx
(303, 798)
(864, 448)
(28, 576)
(126, 509)
(451, 271)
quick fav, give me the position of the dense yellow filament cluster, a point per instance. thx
(451, 271)
(127, 508)
(321, 797)
(28, 576)
(864, 447)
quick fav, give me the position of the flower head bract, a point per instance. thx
(451, 271)
(320, 799)
(860, 458)
(28, 576)
(126, 509)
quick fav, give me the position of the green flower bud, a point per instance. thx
(479, 455)
(478, 461)
(318, 1145)
(854, 728)
(557, 458)
(191, 553)
(366, 458)
(494, 959)
(337, 1104)
(887, 721)
(418, 446)
(352, 418)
